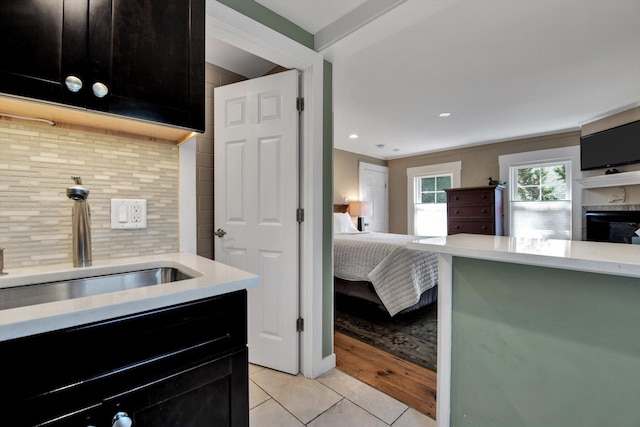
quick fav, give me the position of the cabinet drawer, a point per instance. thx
(485, 211)
(211, 394)
(480, 197)
(208, 394)
(471, 227)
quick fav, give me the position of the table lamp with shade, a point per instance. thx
(359, 209)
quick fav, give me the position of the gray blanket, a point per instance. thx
(398, 274)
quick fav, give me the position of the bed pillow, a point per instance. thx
(342, 223)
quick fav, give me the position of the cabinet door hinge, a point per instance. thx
(300, 104)
(300, 215)
(299, 324)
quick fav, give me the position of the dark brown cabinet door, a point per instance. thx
(31, 64)
(212, 394)
(151, 58)
(135, 58)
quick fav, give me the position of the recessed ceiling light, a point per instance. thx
(380, 145)
(445, 114)
(353, 136)
(396, 149)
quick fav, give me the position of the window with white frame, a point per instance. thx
(430, 204)
(509, 164)
(540, 200)
(427, 200)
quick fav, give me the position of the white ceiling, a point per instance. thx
(312, 15)
(233, 59)
(504, 69)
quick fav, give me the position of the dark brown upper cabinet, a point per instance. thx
(142, 59)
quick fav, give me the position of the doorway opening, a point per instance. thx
(395, 354)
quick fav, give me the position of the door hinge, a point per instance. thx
(299, 324)
(300, 104)
(300, 215)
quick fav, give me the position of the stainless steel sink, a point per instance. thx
(38, 293)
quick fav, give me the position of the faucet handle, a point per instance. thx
(77, 179)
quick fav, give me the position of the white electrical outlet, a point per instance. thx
(136, 213)
(128, 213)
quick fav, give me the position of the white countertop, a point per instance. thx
(608, 258)
(210, 278)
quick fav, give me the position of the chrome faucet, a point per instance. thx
(80, 224)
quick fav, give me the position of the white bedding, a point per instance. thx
(398, 274)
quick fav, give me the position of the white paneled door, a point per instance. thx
(256, 198)
(375, 194)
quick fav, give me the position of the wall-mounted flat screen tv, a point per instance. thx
(612, 147)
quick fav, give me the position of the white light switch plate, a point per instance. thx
(128, 213)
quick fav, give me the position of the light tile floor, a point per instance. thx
(332, 400)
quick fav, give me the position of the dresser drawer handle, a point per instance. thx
(484, 227)
(456, 211)
(484, 211)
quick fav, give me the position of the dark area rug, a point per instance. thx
(411, 336)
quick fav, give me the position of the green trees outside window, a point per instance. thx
(542, 183)
(432, 189)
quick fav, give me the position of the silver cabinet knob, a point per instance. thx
(219, 232)
(73, 83)
(121, 419)
(100, 89)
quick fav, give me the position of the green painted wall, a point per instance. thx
(265, 16)
(327, 203)
(535, 346)
(274, 21)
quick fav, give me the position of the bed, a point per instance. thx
(379, 267)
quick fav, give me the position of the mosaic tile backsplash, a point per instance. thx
(36, 165)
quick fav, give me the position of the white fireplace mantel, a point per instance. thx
(612, 180)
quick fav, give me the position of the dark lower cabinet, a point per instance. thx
(204, 396)
(184, 365)
(135, 58)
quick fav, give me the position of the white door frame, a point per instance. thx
(238, 30)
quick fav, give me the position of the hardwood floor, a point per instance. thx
(411, 384)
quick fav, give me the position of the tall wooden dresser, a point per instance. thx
(475, 210)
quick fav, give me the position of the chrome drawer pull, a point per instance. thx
(73, 83)
(100, 89)
(121, 419)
